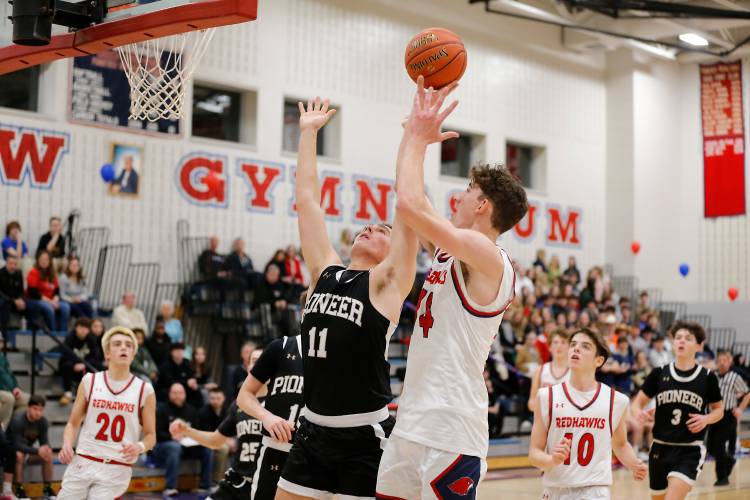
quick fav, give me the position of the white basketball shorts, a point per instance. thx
(583, 493)
(86, 479)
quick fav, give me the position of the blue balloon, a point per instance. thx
(684, 270)
(107, 172)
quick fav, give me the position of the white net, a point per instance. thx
(158, 71)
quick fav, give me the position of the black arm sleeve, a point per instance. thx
(713, 395)
(651, 384)
(228, 426)
(268, 363)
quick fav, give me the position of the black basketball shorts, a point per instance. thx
(269, 468)
(682, 462)
(326, 460)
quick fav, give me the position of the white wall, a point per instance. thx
(351, 52)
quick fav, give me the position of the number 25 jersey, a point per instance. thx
(444, 400)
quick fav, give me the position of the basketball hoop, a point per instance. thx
(158, 71)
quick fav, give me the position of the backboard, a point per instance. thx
(125, 22)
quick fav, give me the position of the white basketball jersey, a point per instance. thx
(588, 420)
(547, 378)
(112, 415)
(444, 400)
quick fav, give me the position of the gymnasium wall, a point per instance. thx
(352, 52)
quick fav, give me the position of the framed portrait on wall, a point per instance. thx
(127, 161)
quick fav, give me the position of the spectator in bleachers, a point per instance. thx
(25, 431)
(641, 369)
(644, 305)
(168, 453)
(494, 413)
(274, 293)
(621, 368)
(523, 282)
(240, 373)
(293, 263)
(127, 315)
(572, 275)
(158, 343)
(11, 292)
(528, 358)
(279, 258)
(81, 349)
(73, 290)
(741, 367)
(626, 315)
(12, 398)
(553, 269)
(8, 459)
(177, 369)
(13, 243)
(541, 258)
(344, 246)
(202, 371)
(97, 330)
(210, 262)
(53, 240)
(658, 355)
(43, 292)
(239, 265)
(636, 341)
(210, 416)
(143, 364)
(172, 325)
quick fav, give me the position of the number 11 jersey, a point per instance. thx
(344, 351)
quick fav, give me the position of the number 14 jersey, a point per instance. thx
(444, 400)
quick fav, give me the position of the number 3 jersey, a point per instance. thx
(677, 394)
(113, 415)
(588, 419)
(444, 400)
(344, 348)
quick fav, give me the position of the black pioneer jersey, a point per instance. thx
(344, 345)
(247, 430)
(281, 366)
(677, 394)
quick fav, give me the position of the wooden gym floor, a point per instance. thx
(526, 484)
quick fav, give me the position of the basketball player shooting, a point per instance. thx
(113, 405)
(349, 317)
(439, 445)
(578, 426)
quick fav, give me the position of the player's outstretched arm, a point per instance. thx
(130, 451)
(625, 452)
(74, 425)
(247, 400)
(538, 457)
(423, 128)
(316, 247)
(214, 439)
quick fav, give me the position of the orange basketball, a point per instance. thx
(438, 55)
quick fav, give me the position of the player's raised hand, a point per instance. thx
(316, 115)
(426, 118)
(696, 422)
(278, 428)
(130, 451)
(640, 471)
(177, 428)
(561, 452)
(66, 454)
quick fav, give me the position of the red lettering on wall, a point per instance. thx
(563, 231)
(530, 219)
(366, 199)
(193, 181)
(35, 153)
(260, 197)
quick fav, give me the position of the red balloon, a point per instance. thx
(733, 293)
(635, 247)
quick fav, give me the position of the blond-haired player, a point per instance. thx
(113, 406)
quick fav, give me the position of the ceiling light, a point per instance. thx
(693, 39)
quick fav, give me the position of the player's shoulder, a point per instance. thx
(620, 398)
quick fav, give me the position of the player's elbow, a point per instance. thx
(408, 206)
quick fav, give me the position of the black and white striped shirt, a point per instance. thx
(732, 388)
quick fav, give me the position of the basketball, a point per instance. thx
(438, 55)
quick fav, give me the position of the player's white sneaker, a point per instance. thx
(170, 492)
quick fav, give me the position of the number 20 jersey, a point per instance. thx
(444, 400)
(588, 420)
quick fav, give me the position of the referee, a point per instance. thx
(722, 436)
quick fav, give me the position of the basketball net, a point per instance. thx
(158, 71)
